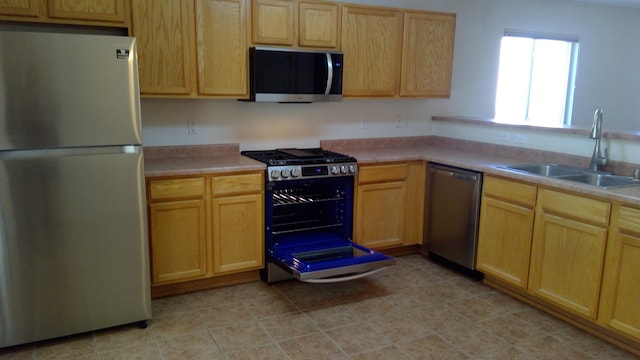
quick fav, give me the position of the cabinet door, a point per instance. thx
(30, 8)
(318, 24)
(504, 241)
(222, 47)
(238, 228)
(273, 22)
(380, 214)
(566, 263)
(427, 54)
(95, 10)
(162, 28)
(371, 42)
(178, 241)
(620, 286)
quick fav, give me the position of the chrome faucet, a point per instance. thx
(598, 159)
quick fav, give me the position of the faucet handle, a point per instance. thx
(636, 174)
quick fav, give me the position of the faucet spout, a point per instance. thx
(599, 157)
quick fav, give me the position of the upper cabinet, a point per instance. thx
(371, 42)
(77, 12)
(427, 54)
(318, 24)
(396, 53)
(191, 48)
(299, 23)
(272, 22)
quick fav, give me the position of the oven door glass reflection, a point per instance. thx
(332, 262)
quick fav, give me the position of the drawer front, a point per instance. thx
(176, 188)
(237, 184)
(629, 219)
(577, 207)
(511, 191)
(380, 173)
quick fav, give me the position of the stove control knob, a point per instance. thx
(285, 173)
(294, 172)
(352, 169)
(275, 174)
(343, 169)
(334, 170)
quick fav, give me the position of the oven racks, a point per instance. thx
(300, 226)
(286, 198)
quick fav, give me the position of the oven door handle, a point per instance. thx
(343, 278)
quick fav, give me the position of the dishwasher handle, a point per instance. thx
(457, 175)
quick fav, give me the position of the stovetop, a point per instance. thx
(294, 156)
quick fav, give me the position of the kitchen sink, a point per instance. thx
(602, 180)
(585, 176)
(546, 169)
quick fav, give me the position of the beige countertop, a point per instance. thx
(177, 161)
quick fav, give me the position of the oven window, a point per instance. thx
(339, 253)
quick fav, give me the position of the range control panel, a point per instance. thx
(295, 172)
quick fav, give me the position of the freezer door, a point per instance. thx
(73, 244)
(67, 90)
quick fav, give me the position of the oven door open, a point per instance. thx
(330, 261)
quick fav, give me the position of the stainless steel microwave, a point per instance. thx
(293, 75)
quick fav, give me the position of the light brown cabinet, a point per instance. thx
(177, 230)
(191, 48)
(621, 283)
(88, 12)
(567, 252)
(205, 226)
(371, 42)
(506, 229)
(389, 204)
(272, 22)
(318, 24)
(427, 54)
(299, 23)
(238, 222)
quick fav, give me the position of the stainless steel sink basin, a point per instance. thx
(546, 169)
(584, 176)
(602, 180)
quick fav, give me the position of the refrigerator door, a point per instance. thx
(73, 246)
(67, 90)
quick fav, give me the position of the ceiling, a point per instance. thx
(635, 4)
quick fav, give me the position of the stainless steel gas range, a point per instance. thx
(309, 218)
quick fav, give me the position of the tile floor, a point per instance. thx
(415, 310)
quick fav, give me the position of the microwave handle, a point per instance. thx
(329, 74)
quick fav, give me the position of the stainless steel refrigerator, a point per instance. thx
(73, 244)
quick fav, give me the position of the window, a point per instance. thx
(536, 79)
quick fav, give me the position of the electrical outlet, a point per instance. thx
(363, 123)
(191, 127)
(504, 136)
(520, 138)
(401, 121)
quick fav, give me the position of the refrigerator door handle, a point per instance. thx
(97, 150)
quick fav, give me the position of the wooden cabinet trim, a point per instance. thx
(237, 184)
(583, 208)
(510, 191)
(176, 188)
(378, 173)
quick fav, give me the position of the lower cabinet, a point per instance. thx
(389, 204)
(205, 226)
(567, 252)
(506, 229)
(621, 281)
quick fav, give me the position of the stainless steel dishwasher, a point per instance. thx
(451, 218)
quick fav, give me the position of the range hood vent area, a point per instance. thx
(294, 76)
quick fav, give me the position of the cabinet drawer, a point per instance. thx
(378, 173)
(176, 188)
(577, 207)
(513, 192)
(629, 219)
(236, 184)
